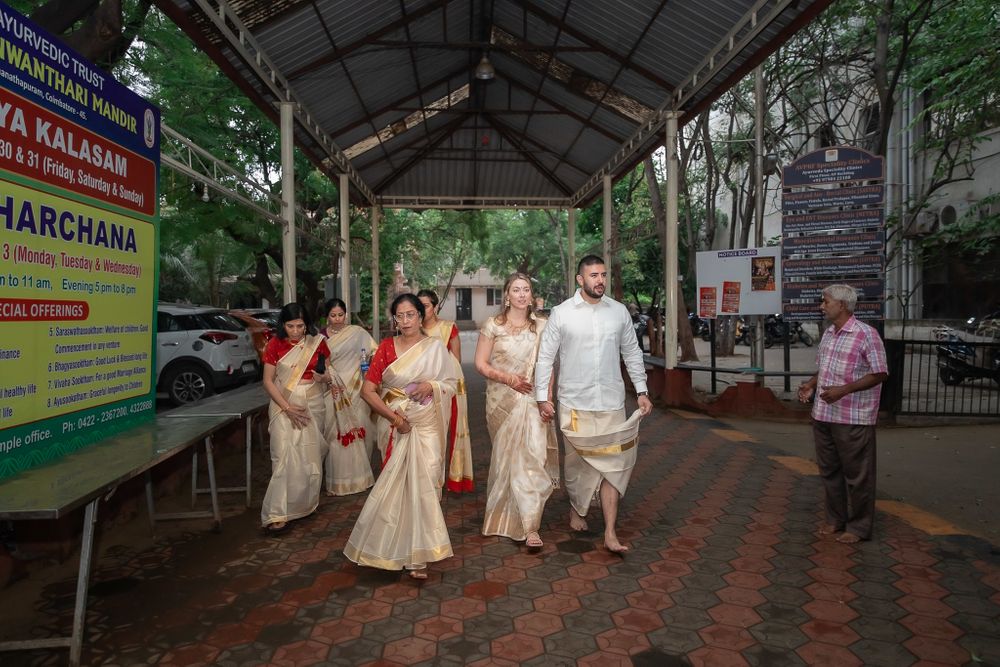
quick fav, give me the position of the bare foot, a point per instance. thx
(417, 574)
(614, 546)
(534, 541)
(848, 538)
(577, 522)
(829, 529)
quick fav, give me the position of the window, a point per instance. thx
(494, 296)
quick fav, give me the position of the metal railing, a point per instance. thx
(945, 378)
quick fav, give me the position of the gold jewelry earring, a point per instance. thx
(506, 303)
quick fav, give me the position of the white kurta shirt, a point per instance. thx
(590, 339)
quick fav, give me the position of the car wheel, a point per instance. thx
(950, 377)
(187, 383)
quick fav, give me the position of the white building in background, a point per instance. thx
(471, 299)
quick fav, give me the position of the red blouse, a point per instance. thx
(278, 347)
(384, 356)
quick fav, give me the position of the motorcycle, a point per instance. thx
(700, 327)
(959, 361)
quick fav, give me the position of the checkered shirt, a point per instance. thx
(846, 356)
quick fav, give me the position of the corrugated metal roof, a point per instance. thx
(386, 91)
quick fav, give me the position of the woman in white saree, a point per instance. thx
(297, 414)
(348, 428)
(524, 466)
(458, 457)
(409, 385)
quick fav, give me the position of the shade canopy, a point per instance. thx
(387, 90)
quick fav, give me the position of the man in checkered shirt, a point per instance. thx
(852, 368)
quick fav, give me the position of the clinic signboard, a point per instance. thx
(833, 230)
(79, 165)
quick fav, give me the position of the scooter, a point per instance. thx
(957, 362)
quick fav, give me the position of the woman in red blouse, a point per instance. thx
(297, 411)
(409, 385)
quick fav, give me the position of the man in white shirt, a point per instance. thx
(591, 333)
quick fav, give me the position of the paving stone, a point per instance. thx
(767, 656)
(776, 634)
(688, 618)
(872, 627)
(570, 644)
(387, 629)
(782, 613)
(786, 595)
(529, 589)
(509, 606)
(676, 640)
(488, 626)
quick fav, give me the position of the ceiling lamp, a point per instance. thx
(484, 70)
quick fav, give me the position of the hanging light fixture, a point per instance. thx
(484, 70)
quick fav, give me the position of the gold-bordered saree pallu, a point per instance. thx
(599, 445)
(296, 454)
(524, 465)
(345, 358)
(348, 429)
(402, 524)
(458, 455)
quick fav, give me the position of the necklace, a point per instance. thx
(515, 329)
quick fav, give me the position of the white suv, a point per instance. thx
(200, 349)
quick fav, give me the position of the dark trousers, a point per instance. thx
(845, 454)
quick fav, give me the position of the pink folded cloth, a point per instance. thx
(412, 387)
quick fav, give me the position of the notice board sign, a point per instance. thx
(833, 230)
(743, 281)
(79, 165)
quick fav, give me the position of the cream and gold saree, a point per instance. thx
(458, 452)
(348, 429)
(296, 454)
(401, 524)
(524, 466)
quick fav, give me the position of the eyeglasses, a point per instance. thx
(401, 317)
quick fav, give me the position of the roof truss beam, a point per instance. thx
(755, 21)
(243, 44)
(507, 133)
(387, 29)
(594, 44)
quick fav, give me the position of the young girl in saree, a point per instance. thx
(409, 385)
(524, 466)
(297, 413)
(458, 457)
(348, 428)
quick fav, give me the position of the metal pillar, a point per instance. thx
(376, 315)
(571, 251)
(288, 202)
(757, 350)
(345, 242)
(607, 231)
(670, 254)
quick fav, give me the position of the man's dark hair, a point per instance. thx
(589, 260)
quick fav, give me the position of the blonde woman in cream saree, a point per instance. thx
(297, 414)
(348, 429)
(524, 466)
(409, 385)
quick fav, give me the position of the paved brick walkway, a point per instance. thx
(726, 568)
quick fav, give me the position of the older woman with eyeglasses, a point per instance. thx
(409, 386)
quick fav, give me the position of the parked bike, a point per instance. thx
(700, 327)
(959, 361)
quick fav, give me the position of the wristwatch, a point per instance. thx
(642, 393)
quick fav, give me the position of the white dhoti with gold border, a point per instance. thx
(600, 445)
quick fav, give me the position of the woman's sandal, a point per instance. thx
(534, 541)
(419, 575)
(277, 528)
